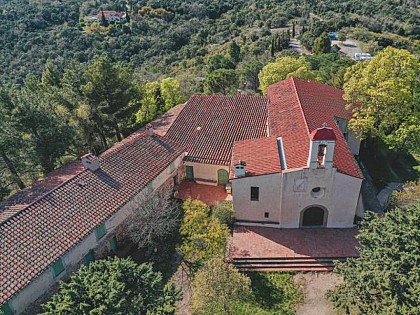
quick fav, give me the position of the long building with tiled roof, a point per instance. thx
(42, 236)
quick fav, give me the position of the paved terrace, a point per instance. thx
(265, 242)
(210, 195)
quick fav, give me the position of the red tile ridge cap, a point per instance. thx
(300, 106)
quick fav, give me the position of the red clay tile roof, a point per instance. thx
(35, 237)
(40, 187)
(209, 125)
(298, 107)
(260, 155)
(324, 133)
(164, 122)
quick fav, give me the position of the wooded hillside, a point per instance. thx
(172, 35)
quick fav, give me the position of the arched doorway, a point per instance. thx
(222, 177)
(315, 217)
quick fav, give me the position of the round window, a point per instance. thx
(317, 192)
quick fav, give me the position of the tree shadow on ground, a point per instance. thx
(385, 165)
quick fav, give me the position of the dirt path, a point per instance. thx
(182, 282)
(315, 285)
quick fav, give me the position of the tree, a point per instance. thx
(322, 44)
(223, 212)
(342, 37)
(44, 124)
(50, 75)
(384, 96)
(219, 61)
(235, 52)
(248, 74)
(151, 103)
(155, 218)
(10, 142)
(171, 92)
(114, 286)
(109, 90)
(222, 81)
(218, 288)
(293, 29)
(385, 278)
(283, 68)
(202, 235)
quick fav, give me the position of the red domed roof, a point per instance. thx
(323, 133)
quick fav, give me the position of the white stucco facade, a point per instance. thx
(285, 196)
(74, 257)
(269, 198)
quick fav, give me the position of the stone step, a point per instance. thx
(274, 262)
(289, 269)
(286, 263)
(285, 260)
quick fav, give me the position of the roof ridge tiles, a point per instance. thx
(300, 106)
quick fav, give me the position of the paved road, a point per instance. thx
(295, 44)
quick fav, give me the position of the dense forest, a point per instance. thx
(174, 35)
(69, 86)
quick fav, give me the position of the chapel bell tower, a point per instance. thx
(322, 145)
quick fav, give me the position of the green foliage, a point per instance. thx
(388, 91)
(171, 93)
(151, 103)
(43, 124)
(329, 68)
(219, 61)
(223, 212)
(234, 52)
(202, 235)
(248, 74)
(163, 34)
(223, 81)
(385, 278)
(108, 90)
(282, 68)
(218, 287)
(114, 286)
(275, 292)
(407, 197)
(322, 44)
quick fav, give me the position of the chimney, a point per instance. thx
(90, 162)
(240, 169)
(149, 129)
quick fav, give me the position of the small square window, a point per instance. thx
(266, 215)
(100, 231)
(58, 267)
(255, 193)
